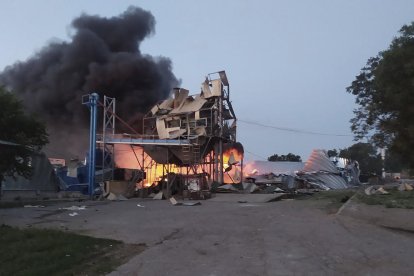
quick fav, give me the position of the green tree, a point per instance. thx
(332, 153)
(289, 157)
(368, 158)
(384, 92)
(392, 163)
(20, 135)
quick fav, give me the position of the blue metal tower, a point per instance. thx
(91, 101)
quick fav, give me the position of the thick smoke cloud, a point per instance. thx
(103, 56)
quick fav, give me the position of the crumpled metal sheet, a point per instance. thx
(319, 170)
(325, 181)
(319, 161)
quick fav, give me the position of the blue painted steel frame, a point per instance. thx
(92, 104)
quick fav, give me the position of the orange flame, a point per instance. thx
(232, 165)
(135, 158)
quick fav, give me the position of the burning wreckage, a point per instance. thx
(187, 146)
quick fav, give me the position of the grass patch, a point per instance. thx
(52, 252)
(331, 200)
(340, 196)
(395, 199)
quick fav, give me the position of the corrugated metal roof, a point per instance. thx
(321, 171)
(319, 161)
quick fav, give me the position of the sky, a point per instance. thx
(288, 62)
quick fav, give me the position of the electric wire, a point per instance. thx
(294, 130)
(255, 154)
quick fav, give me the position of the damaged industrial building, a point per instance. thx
(187, 147)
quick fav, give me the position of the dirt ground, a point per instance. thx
(225, 237)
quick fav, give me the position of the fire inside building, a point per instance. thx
(187, 146)
(187, 143)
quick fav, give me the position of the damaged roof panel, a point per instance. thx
(321, 171)
(319, 161)
(190, 105)
(180, 94)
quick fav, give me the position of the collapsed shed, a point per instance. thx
(322, 172)
(318, 171)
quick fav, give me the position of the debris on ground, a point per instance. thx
(73, 214)
(176, 203)
(34, 206)
(250, 187)
(114, 197)
(227, 188)
(74, 208)
(111, 196)
(376, 191)
(405, 187)
(139, 205)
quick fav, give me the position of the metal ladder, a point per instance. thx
(186, 149)
(196, 153)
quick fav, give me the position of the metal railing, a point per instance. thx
(143, 139)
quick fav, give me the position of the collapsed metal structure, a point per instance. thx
(186, 135)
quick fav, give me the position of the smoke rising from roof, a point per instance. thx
(103, 56)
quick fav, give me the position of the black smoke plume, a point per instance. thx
(103, 56)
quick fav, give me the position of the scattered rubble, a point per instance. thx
(372, 190)
(319, 171)
(34, 206)
(74, 208)
(322, 172)
(114, 197)
(405, 187)
(227, 188)
(176, 203)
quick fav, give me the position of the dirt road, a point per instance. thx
(229, 238)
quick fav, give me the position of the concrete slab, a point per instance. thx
(296, 237)
(244, 198)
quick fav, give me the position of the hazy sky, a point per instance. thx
(288, 62)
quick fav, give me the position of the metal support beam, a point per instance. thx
(108, 129)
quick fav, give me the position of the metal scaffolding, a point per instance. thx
(191, 140)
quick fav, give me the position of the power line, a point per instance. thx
(294, 130)
(255, 154)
